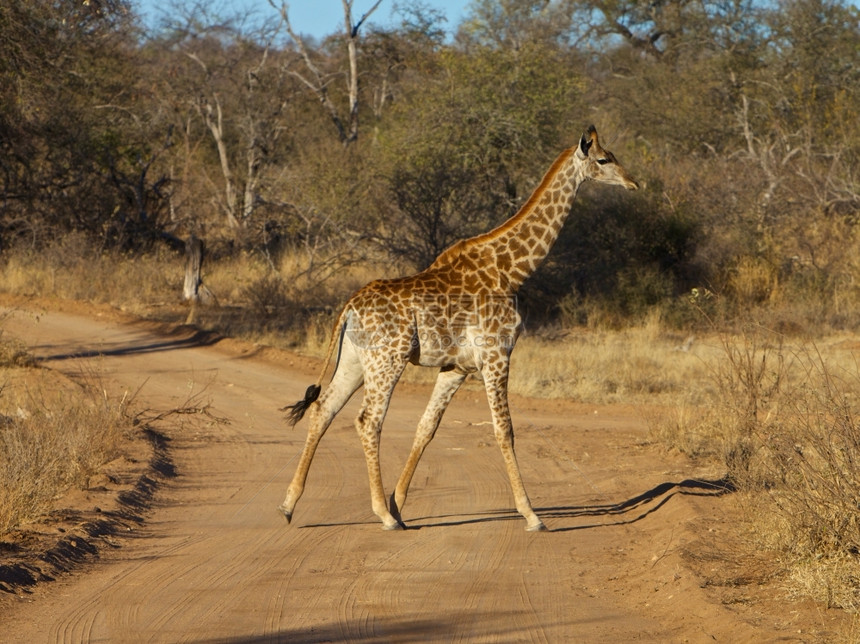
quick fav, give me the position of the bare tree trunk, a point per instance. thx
(216, 127)
(352, 79)
(194, 291)
(193, 262)
(248, 202)
(214, 119)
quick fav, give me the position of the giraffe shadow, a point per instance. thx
(611, 514)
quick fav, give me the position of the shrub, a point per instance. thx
(788, 422)
(49, 444)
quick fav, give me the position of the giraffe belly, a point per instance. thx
(437, 347)
(461, 348)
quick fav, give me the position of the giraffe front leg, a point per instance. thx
(446, 386)
(496, 382)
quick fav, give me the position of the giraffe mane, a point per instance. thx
(529, 204)
(460, 246)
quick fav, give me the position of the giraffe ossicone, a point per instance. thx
(459, 315)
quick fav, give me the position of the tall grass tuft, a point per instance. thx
(48, 452)
(786, 420)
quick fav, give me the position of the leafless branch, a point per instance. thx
(317, 81)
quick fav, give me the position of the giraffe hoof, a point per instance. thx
(288, 514)
(538, 527)
(395, 526)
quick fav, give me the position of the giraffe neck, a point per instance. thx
(520, 244)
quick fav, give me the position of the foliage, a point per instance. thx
(485, 127)
(739, 118)
(77, 145)
(623, 254)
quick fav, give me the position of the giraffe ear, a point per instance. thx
(585, 142)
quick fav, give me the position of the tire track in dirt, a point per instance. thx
(403, 581)
(500, 549)
(215, 562)
(133, 593)
(208, 588)
(225, 560)
(289, 573)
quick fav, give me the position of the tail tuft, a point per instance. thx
(298, 410)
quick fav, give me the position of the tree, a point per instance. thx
(72, 154)
(668, 30)
(512, 24)
(251, 131)
(464, 146)
(317, 80)
(230, 82)
(800, 132)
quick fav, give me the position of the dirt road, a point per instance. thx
(215, 561)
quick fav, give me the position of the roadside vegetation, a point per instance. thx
(789, 428)
(54, 435)
(782, 416)
(725, 294)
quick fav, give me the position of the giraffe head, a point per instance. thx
(601, 165)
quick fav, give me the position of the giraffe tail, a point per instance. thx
(297, 410)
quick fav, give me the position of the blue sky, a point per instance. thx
(314, 17)
(320, 18)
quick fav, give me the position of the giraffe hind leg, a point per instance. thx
(346, 380)
(368, 424)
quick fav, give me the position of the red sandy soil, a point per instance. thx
(184, 543)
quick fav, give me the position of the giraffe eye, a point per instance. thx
(603, 161)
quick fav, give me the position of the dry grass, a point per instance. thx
(785, 421)
(54, 435)
(639, 364)
(73, 269)
(264, 299)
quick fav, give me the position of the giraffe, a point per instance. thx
(459, 315)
